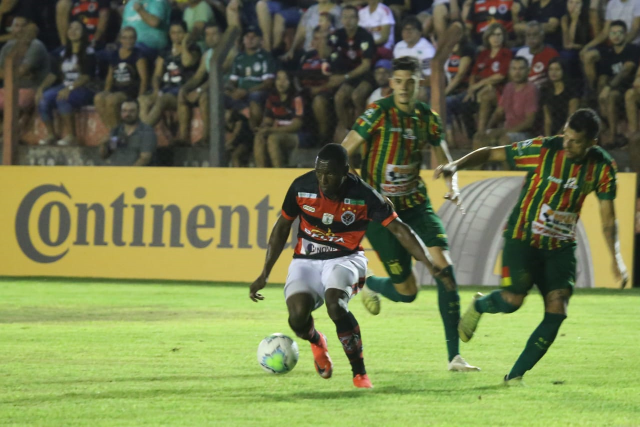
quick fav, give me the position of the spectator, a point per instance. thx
(548, 13)
(350, 65)
(174, 67)
(632, 99)
(239, 138)
(131, 143)
(198, 14)
(575, 25)
(489, 73)
(627, 11)
(284, 14)
(513, 120)
(378, 20)
(93, 14)
(381, 74)
(560, 98)
(127, 78)
(536, 53)
(479, 15)
(251, 13)
(311, 78)
(33, 68)
(252, 76)
(150, 19)
(76, 65)
(434, 17)
(195, 91)
(309, 21)
(457, 69)
(613, 66)
(281, 129)
(413, 44)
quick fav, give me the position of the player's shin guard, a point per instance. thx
(306, 332)
(538, 344)
(384, 286)
(349, 335)
(493, 303)
(449, 305)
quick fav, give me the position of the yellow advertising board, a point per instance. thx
(186, 224)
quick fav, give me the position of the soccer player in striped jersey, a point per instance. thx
(539, 236)
(329, 265)
(393, 131)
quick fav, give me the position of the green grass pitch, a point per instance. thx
(102, 353)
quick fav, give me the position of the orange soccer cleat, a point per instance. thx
(362, 381)
(324, 365)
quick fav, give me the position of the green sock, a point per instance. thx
(449, 304)
(384, 286)
(493, 303)
(538, 344)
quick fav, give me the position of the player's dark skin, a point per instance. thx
(331, 176)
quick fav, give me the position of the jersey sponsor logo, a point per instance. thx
(308, 195)
(394, 267)
(521, 145)
(365, 45)
(369, 112)
(400, 173)
(327, 219)
(395, 129)
(354, 202)
(348, 218)
(398, 189)
(308, 208)
(492, 10)
(555, 224)
(495, 66)
(408, 134)
(503, 9)
(312, 248)
(326, 236)
(572, 183)
(554, 179)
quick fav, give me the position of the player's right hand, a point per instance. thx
(259, 284)
(445, 171)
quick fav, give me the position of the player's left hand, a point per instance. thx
(259, 284)
(454, 197)
(620, 273)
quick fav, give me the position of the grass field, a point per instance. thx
(85, 353)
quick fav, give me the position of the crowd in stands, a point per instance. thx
(303, 70)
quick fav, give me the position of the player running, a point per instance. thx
(540, 244)
(394, 130)
(329, 265)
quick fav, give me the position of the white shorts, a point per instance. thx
(314, 277)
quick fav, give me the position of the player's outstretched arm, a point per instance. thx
(610, 230)
(473, 159)
(412, 243)
(351, 142)
(277, 240)
(444, 157)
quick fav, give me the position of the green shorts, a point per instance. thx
(396, 259)
(523, 266)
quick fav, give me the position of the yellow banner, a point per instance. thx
(187, 224)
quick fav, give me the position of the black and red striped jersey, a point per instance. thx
(333, 228)
(283, 112)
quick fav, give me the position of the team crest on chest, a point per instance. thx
(327, 219)
(348, 218)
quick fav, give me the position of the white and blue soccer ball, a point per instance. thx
(278, 354)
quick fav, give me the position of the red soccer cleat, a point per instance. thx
(362, 381)
(322, 361)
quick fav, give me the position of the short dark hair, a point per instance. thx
(210, 25)
(619, 23)
(179, 23)
(413, 21)
(350, 7)
(335, 153)
(408, 63)
(585, 120)
(521, 58)
(131, 101)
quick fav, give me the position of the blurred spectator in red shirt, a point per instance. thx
(93, 14)
(537, 54)
(479, 15)
(548, 14)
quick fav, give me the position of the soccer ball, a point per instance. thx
(278, 354)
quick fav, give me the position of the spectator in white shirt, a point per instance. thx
(413, 44)
(378, 19)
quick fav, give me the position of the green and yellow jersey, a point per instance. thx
(549, 206)
(392, 153)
